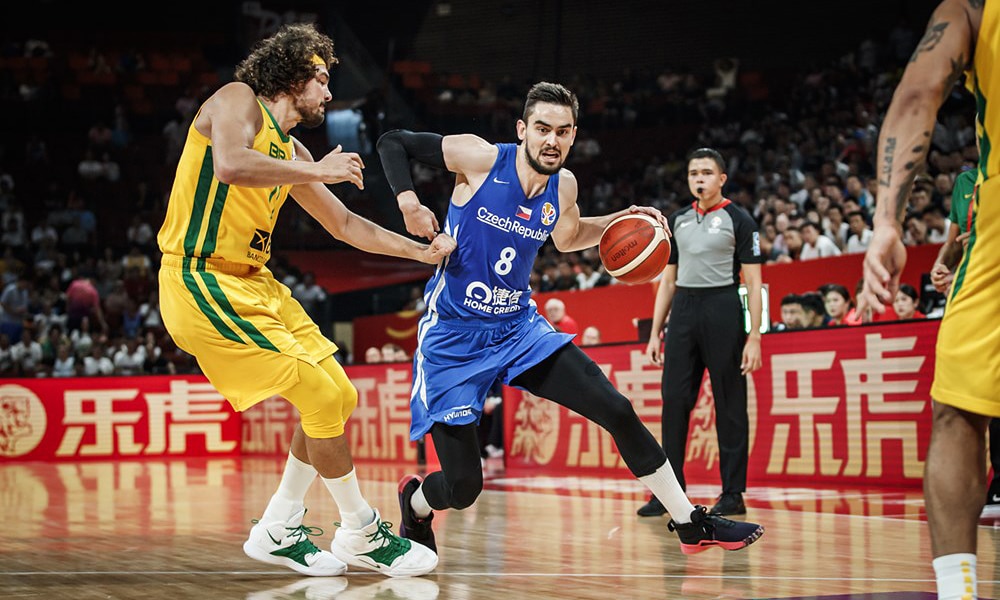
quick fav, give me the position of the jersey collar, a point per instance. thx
(700, 212)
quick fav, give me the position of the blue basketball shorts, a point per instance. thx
(456, 363)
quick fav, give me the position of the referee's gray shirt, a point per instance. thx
(710, 247)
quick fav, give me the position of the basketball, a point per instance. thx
(634, 248)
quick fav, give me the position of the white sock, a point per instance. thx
(355, 512)
(419, 503)
(291, 493)
(956, 577)
(664, 485)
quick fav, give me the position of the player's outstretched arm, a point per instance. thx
(941, 57)
(465, 155)
(345, 225)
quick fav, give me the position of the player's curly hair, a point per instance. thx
(282, 63)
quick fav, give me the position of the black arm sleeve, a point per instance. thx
(397, 147)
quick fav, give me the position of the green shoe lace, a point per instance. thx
(390, 546)
(302, 546)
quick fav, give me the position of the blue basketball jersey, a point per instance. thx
(481, 324)
(499, 232)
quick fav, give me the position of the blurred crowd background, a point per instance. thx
(96, 114)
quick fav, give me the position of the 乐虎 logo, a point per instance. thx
(22, 420)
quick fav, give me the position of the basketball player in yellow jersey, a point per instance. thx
(962, 35)
(252, 340)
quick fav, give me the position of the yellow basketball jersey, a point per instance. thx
(209, 219)
(967, 365)
(987, 88)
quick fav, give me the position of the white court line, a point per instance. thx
(500, 575)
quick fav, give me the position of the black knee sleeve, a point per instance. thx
(448, 491)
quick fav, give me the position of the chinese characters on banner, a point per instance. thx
(114, 417)
(844, 405)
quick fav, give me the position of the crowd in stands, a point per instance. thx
(79, 219)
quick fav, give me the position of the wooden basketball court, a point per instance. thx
(155, 529)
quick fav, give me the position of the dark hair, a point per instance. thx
(709, 153)
(791, 299)
(909, 290)
(837, 206)
(812, 224)
(550, 93)
(283, 62)
(812, 301)
(932, 209)
(861, 214)
(839, 289)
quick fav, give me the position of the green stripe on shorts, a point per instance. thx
(223, 302)
(205, 307)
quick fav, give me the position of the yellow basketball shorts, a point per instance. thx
(967, 367)
(241, 324)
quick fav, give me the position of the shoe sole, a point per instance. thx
(642, 513)
(359, 562)
(251, 550)
(706, 544)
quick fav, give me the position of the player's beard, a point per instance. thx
(312, 117)
(539, 167)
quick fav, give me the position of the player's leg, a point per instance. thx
(456, 485)
(966, 379)
(570, 378)
(954, 477)
(225, 319)
(323, 396)
(453, 371)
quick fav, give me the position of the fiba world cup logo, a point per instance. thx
(22, 420)
(548, 214)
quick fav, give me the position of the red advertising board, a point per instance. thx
(114, 417)
(844, 405)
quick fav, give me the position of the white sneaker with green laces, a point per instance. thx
(287, 544)
(377, 548)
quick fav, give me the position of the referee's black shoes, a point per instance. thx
(653, 508)
(730, 504)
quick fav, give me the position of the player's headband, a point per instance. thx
(316, 60)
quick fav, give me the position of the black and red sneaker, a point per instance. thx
(412, 527)
(707, 529)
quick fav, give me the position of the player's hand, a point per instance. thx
(420, 220)
(440, 248)
(652, 212)
(883, 264)
(941, 277)
(964, 240)
(340, 167)
(751, 356)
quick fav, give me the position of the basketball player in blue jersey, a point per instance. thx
(482, 325)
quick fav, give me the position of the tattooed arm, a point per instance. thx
(941, 57)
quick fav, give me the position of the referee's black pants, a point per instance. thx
(706, 331)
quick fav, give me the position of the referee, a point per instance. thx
(713, 242)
